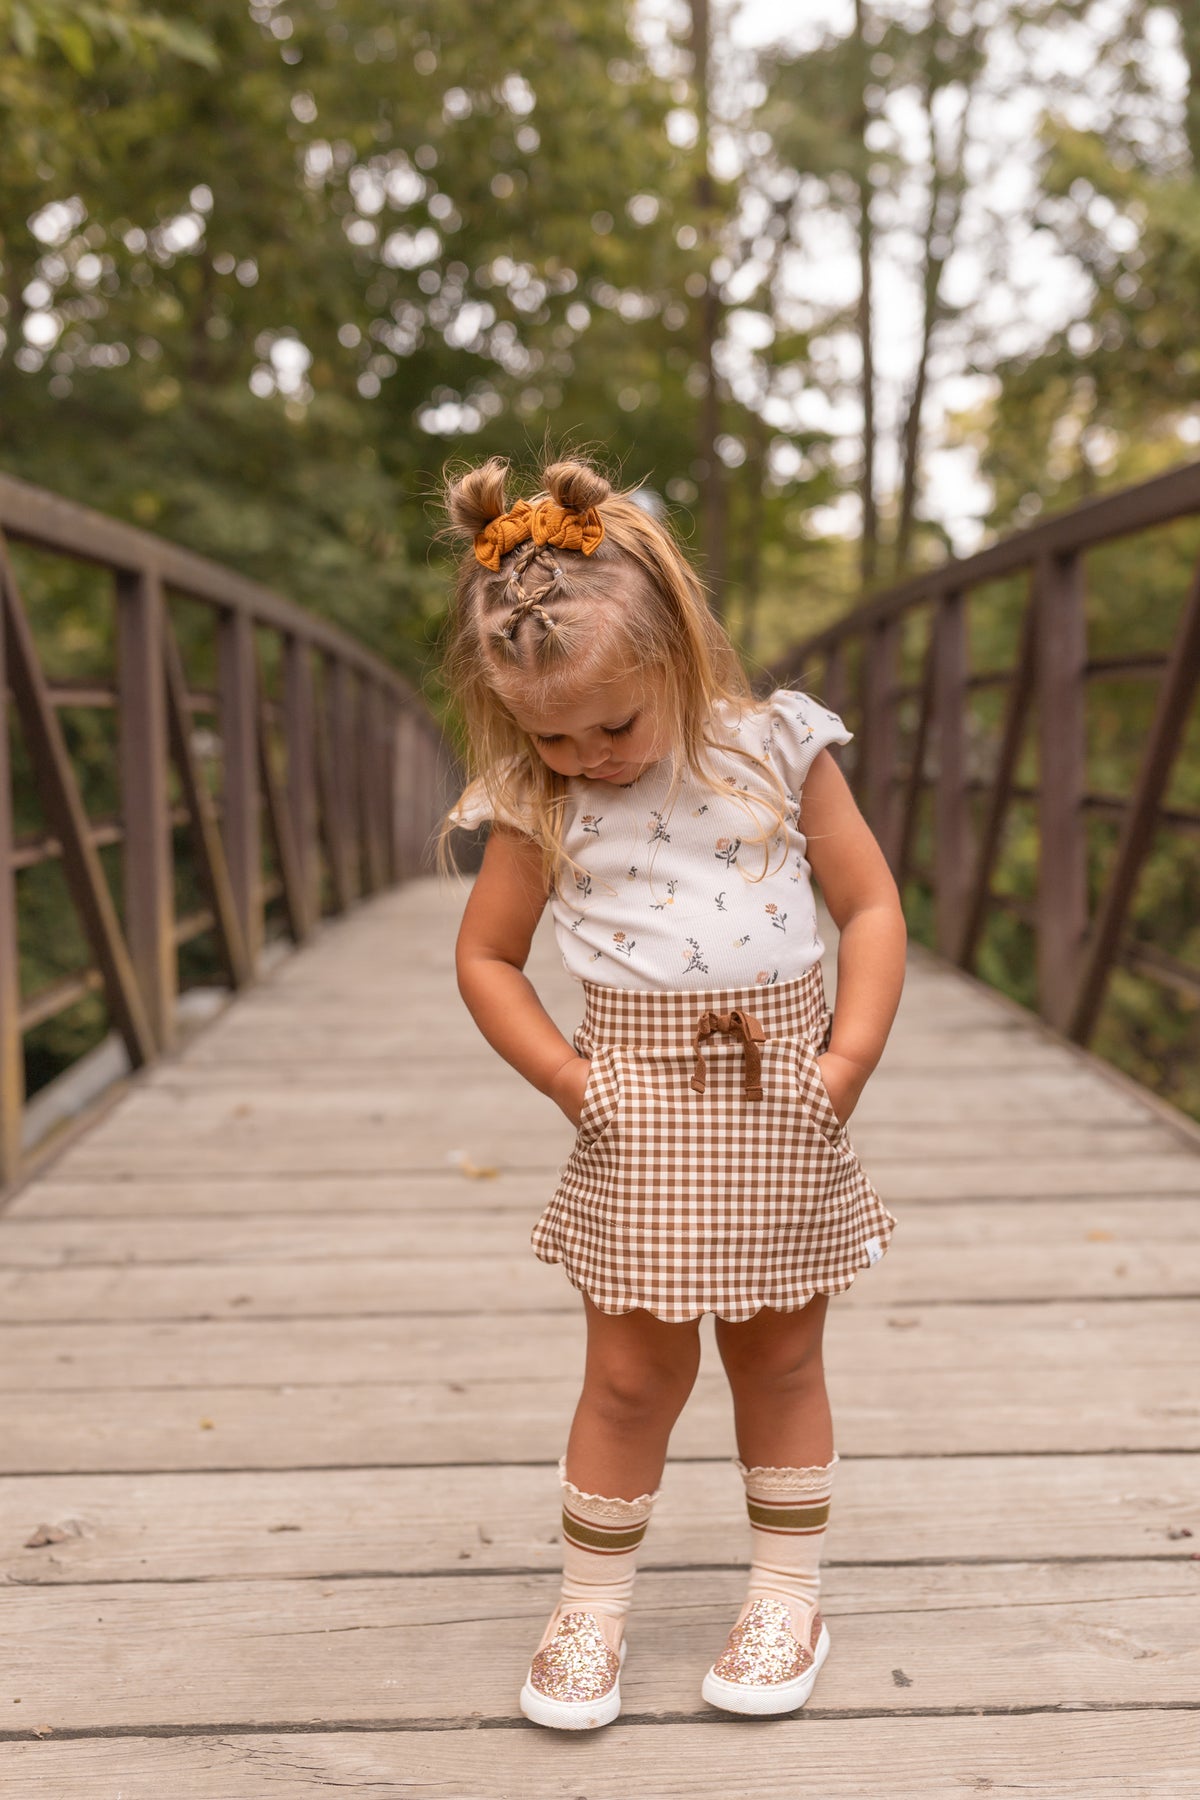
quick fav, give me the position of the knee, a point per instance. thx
(784, 1368)
(630, 1392)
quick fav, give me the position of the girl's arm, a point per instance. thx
(506, 902)
(861, 895)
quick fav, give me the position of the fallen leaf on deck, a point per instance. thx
(1099, 1236)
(207, 1425)
(475, 1171)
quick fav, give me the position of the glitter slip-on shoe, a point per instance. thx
(764, 1667)
(573, 1681)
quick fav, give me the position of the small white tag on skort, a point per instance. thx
(874, 1250)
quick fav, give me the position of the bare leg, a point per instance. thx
(777, 1377)
(639, 1373)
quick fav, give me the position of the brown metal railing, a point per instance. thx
(346, 771)
(921, 751)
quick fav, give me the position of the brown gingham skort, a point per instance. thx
(710, 1172)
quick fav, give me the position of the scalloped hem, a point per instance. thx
(796, 1304)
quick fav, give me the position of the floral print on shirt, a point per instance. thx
(621, 919)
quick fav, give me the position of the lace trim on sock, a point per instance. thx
(768, 1480)
(605, 1509)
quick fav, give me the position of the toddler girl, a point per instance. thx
(672, 822)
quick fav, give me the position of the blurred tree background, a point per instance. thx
(847, 296)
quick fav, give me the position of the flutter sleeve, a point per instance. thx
(799, 728)
(485, 802)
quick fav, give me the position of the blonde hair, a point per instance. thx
(547, 621)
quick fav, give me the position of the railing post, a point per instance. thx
(238, 715)
(208, 849)
(837, 690)
(146, 827)
(343, 759)
(368, 765)
(1062, 781)
(856, 771)
(383, 782)
(1019, 695)
(298, 728)
(12, 1059)
(952, 818)
(443, 767)
(279, 819)
(388, 727)
(403, 788)
(910, 798)
(330, 823)
(425, 771)
(879, 729)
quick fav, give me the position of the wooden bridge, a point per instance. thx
(283, 1385)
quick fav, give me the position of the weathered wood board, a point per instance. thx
(1144, 1754)
(349, 1649)
(293, 1522)
(62, 1194)
(438, 1422)
(1146, 1335)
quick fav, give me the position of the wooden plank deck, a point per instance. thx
(274, 1348)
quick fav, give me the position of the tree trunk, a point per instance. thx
(1189, 39)
(713, 507)
(946, 183)
(869, 549)
(756, 498)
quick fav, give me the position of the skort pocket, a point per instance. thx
(601, 1097)
(815, 1095)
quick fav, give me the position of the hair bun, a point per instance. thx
(576, 485)
(477, 497)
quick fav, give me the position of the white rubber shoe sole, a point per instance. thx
(572, 1715)
(779, 1697)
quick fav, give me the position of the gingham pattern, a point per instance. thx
(686, 1203)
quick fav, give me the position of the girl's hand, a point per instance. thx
(844, 1082)
(567, 1087)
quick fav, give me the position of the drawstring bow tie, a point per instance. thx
(745, 1026)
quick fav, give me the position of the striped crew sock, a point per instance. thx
(601, 1538)
(789, 1510)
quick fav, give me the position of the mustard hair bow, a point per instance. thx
(565, 527)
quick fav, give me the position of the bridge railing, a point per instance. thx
(307, 773)
(949, 751)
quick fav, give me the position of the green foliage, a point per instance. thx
(74, 30)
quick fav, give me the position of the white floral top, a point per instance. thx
(662, 892)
